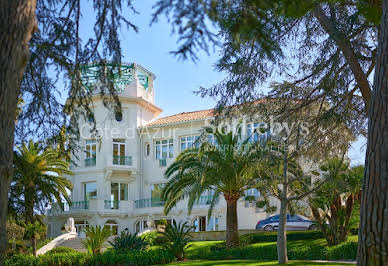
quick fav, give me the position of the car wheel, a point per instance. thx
(268, 228)
(313, 227)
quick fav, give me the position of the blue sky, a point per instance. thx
(176, 80)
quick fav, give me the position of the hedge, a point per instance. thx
(305, 251)
(63, 259)
(61, 250)
(261, 237)
(110, 257)
(145, 257)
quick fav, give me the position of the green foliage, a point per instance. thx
(153, 238)
(250, 198)
(261, 237)
(144, 257)
(63, 259)
(95, 238)
(61, 250)
(128, 241)
(39, 177)
(335, 206)
(34, 229)
(161, 222)
(177, 237)
(308, 249)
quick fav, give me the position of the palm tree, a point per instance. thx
(226, 167)
(39, 177)
(96, 236)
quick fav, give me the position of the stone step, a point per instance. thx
(76, 244)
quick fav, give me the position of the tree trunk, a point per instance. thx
(17, 23)
(282, 233)
(282, 237)
(29, 209)
(232, 236)
(373, 232)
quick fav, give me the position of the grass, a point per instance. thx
(247, 263)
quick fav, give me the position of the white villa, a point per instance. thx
(118, 177)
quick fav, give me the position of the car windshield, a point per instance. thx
(274, 218)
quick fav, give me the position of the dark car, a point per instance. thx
(294, 222)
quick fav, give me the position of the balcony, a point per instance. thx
(90, 162)
(76, 205)
(112, 204)
(122, 160)
(146, 203)
(92, 206)
(205, 200)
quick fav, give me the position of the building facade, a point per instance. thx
(118, 174)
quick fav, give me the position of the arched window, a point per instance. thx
(113, 226)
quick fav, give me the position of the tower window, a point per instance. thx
(147, 149)
(119, 116)
(90, 118)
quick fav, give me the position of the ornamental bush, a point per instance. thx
(61, 250)
(63, 259)
(145, 257)
(261, 237)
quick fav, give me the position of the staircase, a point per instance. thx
(76, 243)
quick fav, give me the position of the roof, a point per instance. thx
(182, 117)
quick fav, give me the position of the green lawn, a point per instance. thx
(247, 263)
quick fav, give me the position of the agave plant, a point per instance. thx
(128, 241)
(177, 237)
(95, 238)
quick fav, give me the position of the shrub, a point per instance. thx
(305, 250)
(177, 239)
(154, 238)
(61, 250)
(95, 238)
(128, 241)
(144, 257)
(272, 237)
(63, 259)
(344, 251)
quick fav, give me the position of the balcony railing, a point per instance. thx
(122, 160)
(90, 162)
(151, 202)
(112, 204)
(205, 200)
(76, 205)
(162, 162)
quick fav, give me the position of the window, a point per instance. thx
(156, 191)
(118, 191)
(147, 149)
(90, 118)
(199, 224)
(213, 224)
(257, 131)
(119, 152)
(164, 148)
(119, 116)
(90, 191)
(90, 152)
(252, 192)
(188, 142)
